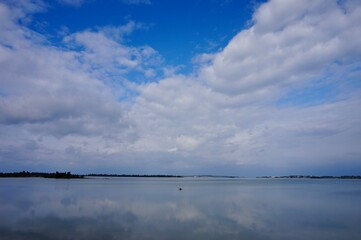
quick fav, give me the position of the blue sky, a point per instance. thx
(178, 30)
(181, 87)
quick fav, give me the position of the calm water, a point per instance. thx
(144, 208)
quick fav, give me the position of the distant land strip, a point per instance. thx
(69, 175)
(65, 175)
(133, 175)
(315, 177)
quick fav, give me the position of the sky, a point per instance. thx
(222, 87)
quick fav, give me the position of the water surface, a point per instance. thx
(154, 208)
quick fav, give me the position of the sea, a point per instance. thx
(179, 208)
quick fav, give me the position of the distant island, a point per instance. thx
(134, 175)
(58, 175)
(69, 175)
(315, 177)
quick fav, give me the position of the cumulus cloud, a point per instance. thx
(230, 110)
(48, 93)
(106, 56)
(244, 105)
(290, 42)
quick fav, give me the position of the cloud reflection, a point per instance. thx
(142, 209)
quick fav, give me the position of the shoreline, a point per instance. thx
(69, 175)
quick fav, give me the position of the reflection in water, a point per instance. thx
(146, 208)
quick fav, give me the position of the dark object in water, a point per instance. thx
(180, 189)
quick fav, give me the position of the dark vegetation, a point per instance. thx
(69, 175)
(64, 175)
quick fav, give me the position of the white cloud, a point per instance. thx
(62, 103)
(119, 32)
(106, 56)
(48, 93)
(290, 41)
(229, 109)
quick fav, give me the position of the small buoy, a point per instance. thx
(180, 189)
